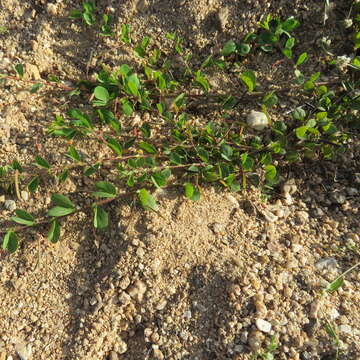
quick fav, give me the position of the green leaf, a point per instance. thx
(270, 172)
(83, 119)
(33, 184)
(243, 49)
(331, 332)
(203, 154)
(88, 171)
(16, 166)
(247, 162)
(10, 242)
(301, 59)
(270, 99)
(63, 176)
(89, 18)
(133, 83)
(290, 43)
(301, 132)
(36, 87)
(60, 211)
(299, 114)
(175, 158)
(101, 218)
(249, 79)
(73, 154)
(335, 285)
(106, 190)
(62, 200)
(146, 200)
(226, 152)
(75, 14)
(127, 107)
(102, 95)
(19, 69)
(189, 190)
(54, 232)
(42, 162)
(159, 179)
(200, 79)
(180, 100)
(288, 53)
(290, 24)
(114, 145)
(151, 149)
(229, 48)
(125, 33)
(23, 218)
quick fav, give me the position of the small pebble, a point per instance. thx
(352, 191)
(51, 9)
(327, 263)
(137, 290)
(345, 329)
(121, 346)
(140, 252)
(23, 351)
(10, 205)
(223, 16)
(158, 355)
(263, 325)
(113, 355)
(257, 120)
(338, 198)
(161, 305)
(24, 195)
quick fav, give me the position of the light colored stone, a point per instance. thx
(263, 325)
(140, 252)
(51, 9)
(327, 263)
(121, 346)
(113, 355)
(161, 305)
(289, 187)
(338, 198)
(10, 205)
(23, 351)
(334, 314)
(301, 217)
(24, 195)
(32, 72)
(269, 216)
(124, 298)
(223, 17)
(314, 308)
(345, 329)
(158, 355)
(232, 200)
(257, 120)
(137, 290)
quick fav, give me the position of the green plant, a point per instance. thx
(268, 353)
(87, 14)
(176, 150)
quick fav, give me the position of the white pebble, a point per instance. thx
(263, 325)
(257, 120)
